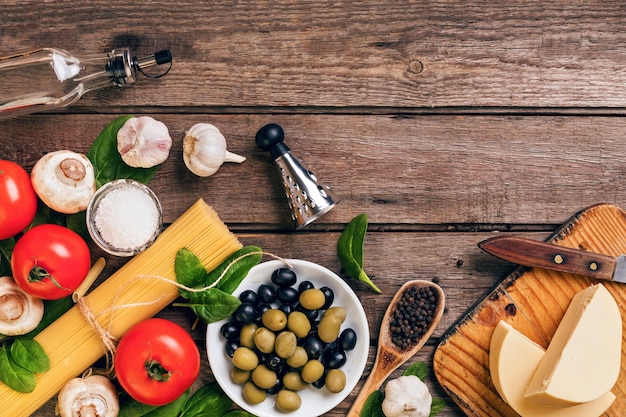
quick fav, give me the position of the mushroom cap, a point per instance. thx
(94, 394)
(19, 311)
(64, 180)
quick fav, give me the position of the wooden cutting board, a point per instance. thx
(533, 301)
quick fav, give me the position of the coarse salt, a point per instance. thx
(127, 218)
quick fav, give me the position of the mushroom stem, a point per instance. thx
(11, 307)
(71, 170)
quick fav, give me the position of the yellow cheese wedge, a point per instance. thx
(513, 359)
(582, 361)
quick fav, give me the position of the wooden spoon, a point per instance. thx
(389, 356)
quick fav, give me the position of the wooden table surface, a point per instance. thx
(444, 121)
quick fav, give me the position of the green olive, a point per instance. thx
(239, 376)
(246, 335)
(312, 371)
(328, 328)
(335, 380)
(337, 311)
(286, 343)
(298, 323)
(263, 377)
(245, 359)
(293, 381)
(299, 358)
(253, 394)
(288, 401)
(312, 299)
(264, 339)
(274, 319)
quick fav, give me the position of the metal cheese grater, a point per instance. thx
(307, 198)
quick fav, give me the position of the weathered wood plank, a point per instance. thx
(416, 173)
(401, 54)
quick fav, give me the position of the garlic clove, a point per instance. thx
(91, 396)
(143, 142)
(204, 150)
(19, 312)
(64, 180)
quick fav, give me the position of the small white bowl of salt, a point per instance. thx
(124, 217)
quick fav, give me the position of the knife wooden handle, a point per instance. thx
(533, 253)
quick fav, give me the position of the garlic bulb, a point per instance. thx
(204, 150)
(91, 396)
(143, 142)
(64, 180)
(19, 312)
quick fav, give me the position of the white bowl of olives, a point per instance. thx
(304, 363)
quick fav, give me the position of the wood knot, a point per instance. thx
(415, 66)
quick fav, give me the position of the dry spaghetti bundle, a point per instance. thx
(71, 342)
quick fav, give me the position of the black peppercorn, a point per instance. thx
(412, 316)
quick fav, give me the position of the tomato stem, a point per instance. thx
(38, 274)
(156, 371)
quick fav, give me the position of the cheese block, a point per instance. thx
(582, 361)
(513, 359)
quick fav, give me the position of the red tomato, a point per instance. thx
(156, 361)
(50, 261)
(18, 201)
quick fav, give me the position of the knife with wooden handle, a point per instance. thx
(533, 253)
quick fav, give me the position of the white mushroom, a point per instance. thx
(91, 396)
(19, 312)
(64, 180)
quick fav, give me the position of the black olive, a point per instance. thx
(230, 330)
(312, 315)
(245, 313)
(230, 347)
(266, 293)
(313, 346)
(286, 308)
(305, 285)
(347, 339)
(248, 296)
(286, 294)
(331, 346)
(262, 308)
(320, 382)
(334, 359)
(284, 277)
(329, 296)
(276, 388)
(275, 363)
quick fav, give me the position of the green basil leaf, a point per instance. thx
(208, 401)
(189, 271)
(13, 375)
(53, 309)
(350, 249)
(213, 304)
(78, 223)
(132, 408)
(437, 406)
(6, 249)
(249, 256)
(419, 369)
(107, 161)
(29, 354)
(373, 405)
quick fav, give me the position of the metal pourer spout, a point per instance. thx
(158, 58)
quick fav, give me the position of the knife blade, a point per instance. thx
(533, 253)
